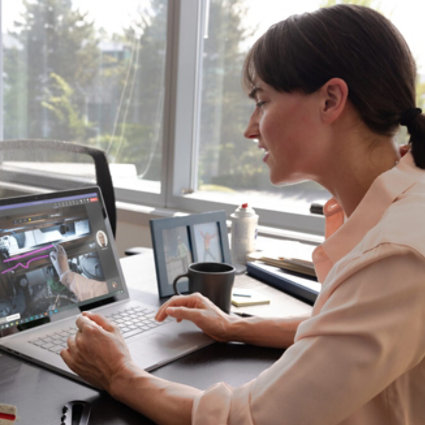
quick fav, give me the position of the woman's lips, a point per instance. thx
(266, 152)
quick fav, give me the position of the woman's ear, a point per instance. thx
(334, 95)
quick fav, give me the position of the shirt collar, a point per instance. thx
(386, 188)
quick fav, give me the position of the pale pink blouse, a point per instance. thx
(359, 360)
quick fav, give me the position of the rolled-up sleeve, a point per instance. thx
(369, 331)
(221, 404)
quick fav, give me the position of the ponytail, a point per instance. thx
(415, 123)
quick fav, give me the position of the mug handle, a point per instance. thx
(176, 291)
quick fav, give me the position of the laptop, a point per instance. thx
(58, 258)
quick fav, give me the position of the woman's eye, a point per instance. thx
(260, 103)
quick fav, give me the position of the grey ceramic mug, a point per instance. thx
(214, 280)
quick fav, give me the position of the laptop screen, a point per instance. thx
(57, 256)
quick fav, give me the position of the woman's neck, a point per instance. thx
(358, 164)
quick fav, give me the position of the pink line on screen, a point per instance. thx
(25, 266)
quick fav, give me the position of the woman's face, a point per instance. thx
(287, 128)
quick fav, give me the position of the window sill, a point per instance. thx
(140, 215)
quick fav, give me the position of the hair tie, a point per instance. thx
(408, 117)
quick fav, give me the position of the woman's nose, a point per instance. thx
(251, 131)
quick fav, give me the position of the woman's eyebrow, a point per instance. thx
(254, 91)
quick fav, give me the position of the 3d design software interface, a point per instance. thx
(54, 255)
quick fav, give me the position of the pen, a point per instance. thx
(242, 314)
(241, 295)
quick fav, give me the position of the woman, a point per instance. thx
(331, 89)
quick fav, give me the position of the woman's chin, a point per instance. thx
(286, 180)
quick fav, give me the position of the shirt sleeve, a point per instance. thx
(83, 287)
(369, 331)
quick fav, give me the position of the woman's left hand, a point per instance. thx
(202, 312)
(98, 352)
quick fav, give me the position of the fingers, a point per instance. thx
(69, 354)
(185, 313)
(67, 357)
(54, 253)
(195, 300)
(60, 249)
(88, 322)
(161, 313)
(84, 322)
(99, 320)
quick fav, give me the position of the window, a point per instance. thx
(80, 71)
(156, 84)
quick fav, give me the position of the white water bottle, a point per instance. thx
(243, 234)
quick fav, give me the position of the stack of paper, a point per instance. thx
(292, 264)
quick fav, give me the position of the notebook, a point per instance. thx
(58, 258)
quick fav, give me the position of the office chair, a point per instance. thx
(21, 164)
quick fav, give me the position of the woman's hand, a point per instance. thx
(98, 352)
(199, 310)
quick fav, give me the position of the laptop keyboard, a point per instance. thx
(54, 342)
(135, 320)
(131, 321)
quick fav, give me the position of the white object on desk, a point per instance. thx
(243, 234)
(7, 414)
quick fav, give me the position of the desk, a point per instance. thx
(39, 394)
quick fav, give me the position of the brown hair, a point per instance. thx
(351, 42)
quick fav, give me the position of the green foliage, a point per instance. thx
(52, 39)
(139, 121)
(59, 102)
(15, 96)
(225, 157)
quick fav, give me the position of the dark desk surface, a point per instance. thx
(40, 394)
